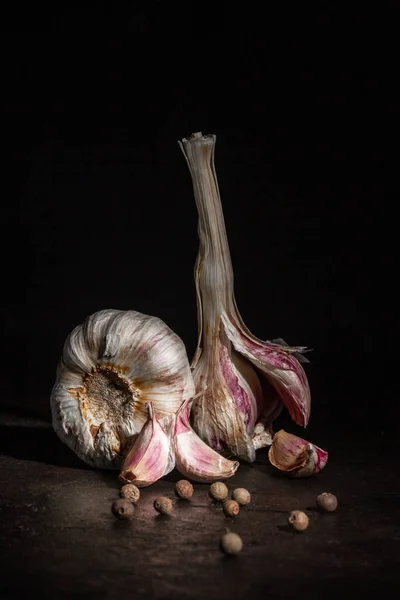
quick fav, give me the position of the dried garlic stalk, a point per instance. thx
(246, 379)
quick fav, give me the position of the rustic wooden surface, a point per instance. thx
(58, 538)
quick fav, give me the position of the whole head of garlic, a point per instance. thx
(112, 367)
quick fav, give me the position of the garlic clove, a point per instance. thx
(151, 455)
(296, 457)
(220, 414)
(112, 365)
(194, 458)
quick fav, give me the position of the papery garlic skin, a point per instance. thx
(295, 456)
(247, 380)
(112, 366)
(151, 456)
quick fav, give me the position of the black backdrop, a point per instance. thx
(98, 209)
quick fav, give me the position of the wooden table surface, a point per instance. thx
(58, 538)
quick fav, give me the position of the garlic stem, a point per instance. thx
(247, 379)
(214, 272)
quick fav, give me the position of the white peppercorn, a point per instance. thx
(298, 520)
(231, 543)
(242, 496)
(218, 491)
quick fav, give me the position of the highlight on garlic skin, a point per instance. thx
(247, 380)
(112, 366)
(296, 457)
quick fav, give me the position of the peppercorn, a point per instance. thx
(327, 502)
(122, 509)
(298, 520)
(184, 489)
(231, 508)
(242, 496)
(218, 491)
(163, 505)
(231, 543)
(130, 492)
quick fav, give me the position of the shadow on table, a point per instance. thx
(38, 443)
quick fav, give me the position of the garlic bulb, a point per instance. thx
(122, 395)
(296, 457)
(246, 379)
(112, 366)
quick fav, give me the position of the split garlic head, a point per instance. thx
(112, 366)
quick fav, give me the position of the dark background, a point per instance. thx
(98, 210)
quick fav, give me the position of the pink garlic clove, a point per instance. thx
(296, 457)
(151, 455)
(194, 458)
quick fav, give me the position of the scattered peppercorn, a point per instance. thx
(130, 492)
(298, 520)
(242, 496)
(327, 502)
(184, 489)
(163, 505)
(218, 491)
(231, 543)
(122, 509)
(231, 508)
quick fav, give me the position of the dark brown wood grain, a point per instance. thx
(59, 539)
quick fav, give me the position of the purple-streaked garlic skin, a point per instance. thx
(112, 365)
(248, 399)
(295, 456)
(233, 364)
(194, 458)
(219, 416)
(150, 457)
(281, 368)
